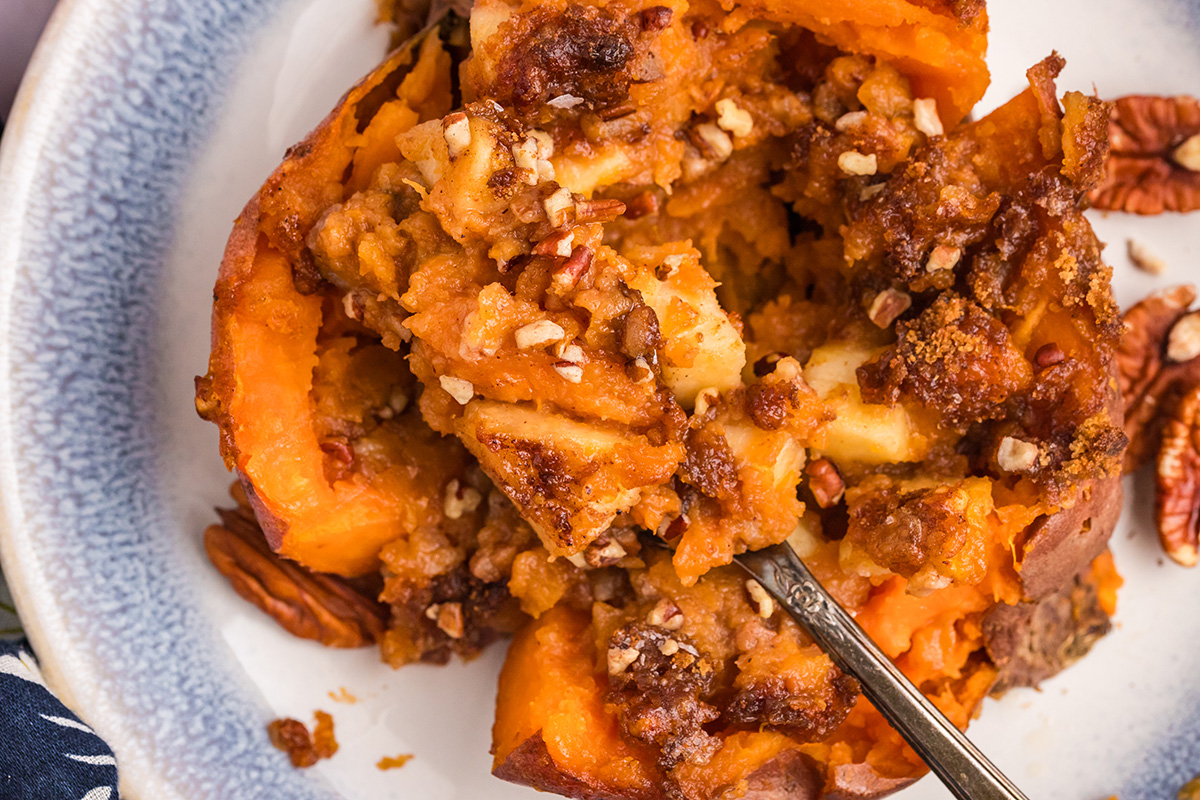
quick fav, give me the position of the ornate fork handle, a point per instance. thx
(964, 770)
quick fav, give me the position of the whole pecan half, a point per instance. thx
(1177, 482)
(307, 604)
(1152, 162)
(1150, 382)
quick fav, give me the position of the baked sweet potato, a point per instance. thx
(558, 728)
(278, 341)
(974, 558)
(340, 526)
(625, 270)
(561, 727)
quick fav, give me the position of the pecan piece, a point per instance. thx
(292, 737)
(1150, 166)
(1150, 382)
(304, 748)
(1177, 482)
(825, 482)
(309, 605)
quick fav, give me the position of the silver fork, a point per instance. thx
(964, 770)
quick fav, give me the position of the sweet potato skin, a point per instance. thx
(860, 782)
(264, 351)
(531, 764)
(791, 775)
(1062, 545)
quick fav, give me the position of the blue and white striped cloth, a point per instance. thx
(46, 753)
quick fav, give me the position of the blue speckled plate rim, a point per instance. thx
(91, 170)
(119, 98)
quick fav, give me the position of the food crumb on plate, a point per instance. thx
(343, 695)
(393, 762)
(1143, 259)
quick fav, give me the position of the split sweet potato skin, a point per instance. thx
(265, 350)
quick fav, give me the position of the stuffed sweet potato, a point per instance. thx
(589, 273)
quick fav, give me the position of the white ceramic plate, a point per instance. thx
(143, 128)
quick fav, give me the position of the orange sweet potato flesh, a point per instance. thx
(552, 732)
(940, 51)
(265, 346)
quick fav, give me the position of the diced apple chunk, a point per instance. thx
(568, 478)
(702, 348)
(458, 186)
(775, 459)
(862, 433)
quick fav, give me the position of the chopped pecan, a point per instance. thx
(605, 210)
(450, 619)
(309, 605)
(825, 482)
(665, 614)
(887, 306)
(1047, 356)
(640, 335)
(764, 604)
(1143, 259)
(641, 205)
(1150, 168)
(1150, 382)
(1177, 484)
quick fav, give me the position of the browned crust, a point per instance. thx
(530, 764)
(861, 782)
(1062, 545)
(791, 775)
